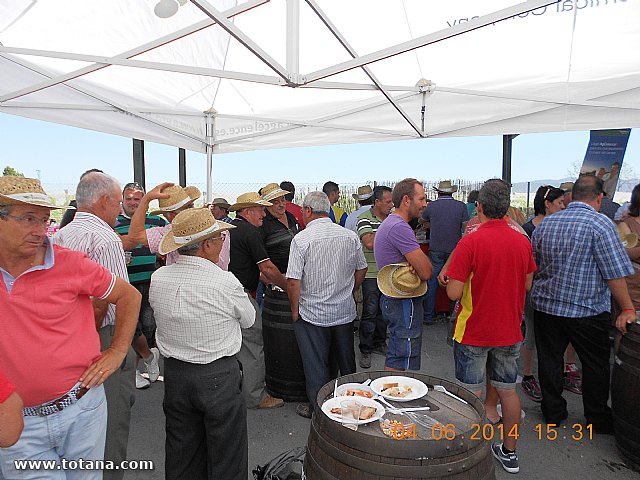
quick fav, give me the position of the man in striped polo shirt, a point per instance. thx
(141, 264)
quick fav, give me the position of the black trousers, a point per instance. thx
(590, 338)
(206, 419)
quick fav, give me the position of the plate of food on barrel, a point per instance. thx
(399, 388)
(371, 410)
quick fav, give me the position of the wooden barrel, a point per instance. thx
(625, 392)
(284, 375)
(338, 453)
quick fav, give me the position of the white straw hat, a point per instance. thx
(24, 191)
(191, 226)
(396, 280)
(178, 198)
(247, 200)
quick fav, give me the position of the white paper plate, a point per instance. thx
(418, 389)
(367, 402)
(342, 389)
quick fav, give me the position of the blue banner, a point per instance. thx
(604, 156)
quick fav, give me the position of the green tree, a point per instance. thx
(11, 172)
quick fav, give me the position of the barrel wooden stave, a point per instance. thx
(284, 373)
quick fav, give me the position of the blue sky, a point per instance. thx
(60, 154)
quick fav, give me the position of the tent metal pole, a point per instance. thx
(507, 141)
(138, 162)
(293, 38)
(210, 121)
(182, 167)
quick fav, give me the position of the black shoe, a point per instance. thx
(365, 360)
(380, 350)
(556, 420)
(603, 428)
(304, 410)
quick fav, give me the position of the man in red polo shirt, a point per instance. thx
(49, 347)
(11, 423)
(489, 273)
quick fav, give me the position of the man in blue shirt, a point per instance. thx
(581, 263)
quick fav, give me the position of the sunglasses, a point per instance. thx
(133, 186)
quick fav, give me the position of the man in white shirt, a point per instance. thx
(326, 265)
(199, 310)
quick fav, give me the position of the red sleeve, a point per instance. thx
(6, 388)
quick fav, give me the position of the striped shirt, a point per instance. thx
(93, 236)
(369, 223)
(577, 250)
(143, 262)
(325, 257)
(199, 310)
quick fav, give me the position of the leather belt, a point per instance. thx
(57, 405)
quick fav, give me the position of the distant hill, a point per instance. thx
(521, 187)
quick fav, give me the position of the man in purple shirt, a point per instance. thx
(395, 242)
(447, 218)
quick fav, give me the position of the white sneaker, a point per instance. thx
(141, 382)
(153, 369)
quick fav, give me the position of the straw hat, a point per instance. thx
(247, 200)
(272, 191)
(191, 226)
(178, 198)
(446, 187)
(629, 240)
(566, 186)
(24, 191)
(396, 280)
(364, 192)
(221, 202)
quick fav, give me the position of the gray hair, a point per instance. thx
(318, 202)
(92, 186)
(5, 210)
(495, 197)
(190, 249)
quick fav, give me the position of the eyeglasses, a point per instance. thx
(133, 186)
(30, 220)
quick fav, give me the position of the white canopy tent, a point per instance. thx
(229, 76)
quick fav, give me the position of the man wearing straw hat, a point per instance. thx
(326, 265)
(220, 209)
(98, 197)
(200, 310)
(49, 347)
(249, 261)
(490, 272)
(447, 218)
(395, 244)
(364, 197)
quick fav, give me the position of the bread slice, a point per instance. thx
(367, 412)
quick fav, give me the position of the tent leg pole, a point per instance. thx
(182, 167)
(507, 141)
(138, 162)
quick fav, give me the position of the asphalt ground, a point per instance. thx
(272, 432)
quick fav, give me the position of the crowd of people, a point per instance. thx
(95, 307)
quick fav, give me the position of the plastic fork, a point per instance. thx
(440, 388)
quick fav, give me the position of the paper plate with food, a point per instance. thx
(371, 410)
(398, 388)
(354, 390)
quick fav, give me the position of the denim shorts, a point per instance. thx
(499, 363)
(403, 316)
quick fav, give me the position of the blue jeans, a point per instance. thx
(318, 346)
(438, 259)
(404, 319)
(499, 363)
(373, 330)
(77, 432)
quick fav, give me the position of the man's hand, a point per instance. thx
(102, 368)
(156, 192)
(443, 280)
(623, 319)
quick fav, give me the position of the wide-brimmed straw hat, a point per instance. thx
(364, 192)
(629, 240)
(396, 280)
(221, 202)
(272, 191)
(24, 191)
(247, 200)
(566, 186)
(445, 187)
(178, 198)
(191, 226)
